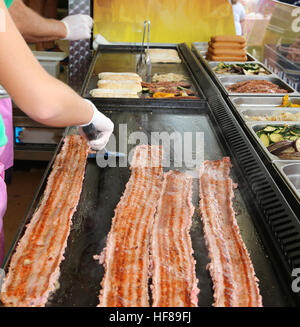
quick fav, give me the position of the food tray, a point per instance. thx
(213, 64)
(258, 111)
(255, 126)
(290, 172)
(260, 101)
(229, 80)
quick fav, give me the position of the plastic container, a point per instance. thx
(50, 61)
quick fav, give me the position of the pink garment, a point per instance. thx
(3, 203)
(7, 153)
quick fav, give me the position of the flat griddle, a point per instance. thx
(81, 275)
(123, 58)
(79, 282)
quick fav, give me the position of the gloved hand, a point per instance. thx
(98, 130)
(99, 39)
(79, 27)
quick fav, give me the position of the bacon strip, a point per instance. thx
(126, 257)
(231, 269)
(34, 268)
(174, 282)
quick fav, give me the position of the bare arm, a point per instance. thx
(38, 94)
(34, 27)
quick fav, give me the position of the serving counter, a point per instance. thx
(266, 209)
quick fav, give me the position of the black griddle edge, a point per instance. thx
(275, 210)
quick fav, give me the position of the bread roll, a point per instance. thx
(120, 76)
(106, 93)
(134, 86)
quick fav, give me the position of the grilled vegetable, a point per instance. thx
(264, 138)
(240, 69)
(281, 140)
(270, 129)
(279, 147)
(163, 95)
(290, 156)
(276, 137)
(297, 144)
(286, 102)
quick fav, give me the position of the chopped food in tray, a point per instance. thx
(281, 140)
(168, 90)
(279, 116)
(286, 102)
(255, 86)
(170, 77)
(130, 85)
(240, 69)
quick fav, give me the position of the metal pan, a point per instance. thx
(290, 172)
(254, 127)
(214, 64)
(229, 80)
(259, 101)
(247, 112)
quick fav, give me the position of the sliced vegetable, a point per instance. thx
(265, 139)
(270, 129)
(290, 156)
(275, 137)
(297, 144)
(279, 147)
(163, 95)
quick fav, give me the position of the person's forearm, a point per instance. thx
(33, 27)
(38, 94)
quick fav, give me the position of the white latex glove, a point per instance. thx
(99, 39)
(79, 27)
(101, 125)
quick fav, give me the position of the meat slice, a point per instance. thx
(34, 268)
(255, 86)
(126, 256)
(174, 282)
(235, 284)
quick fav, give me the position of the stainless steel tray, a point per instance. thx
(260, 101)
(213, 64)
(258, 111)
(255, 126)
(290, 173)
(229, 80)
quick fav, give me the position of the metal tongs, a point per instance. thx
(143, 66)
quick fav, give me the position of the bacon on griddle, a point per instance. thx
(34, 268)
(235, 284)
(174, 282)
(126, 256)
